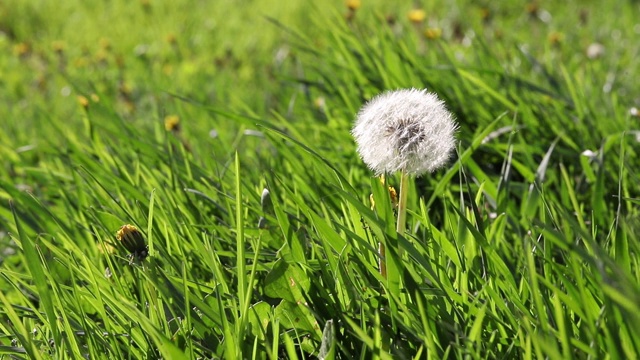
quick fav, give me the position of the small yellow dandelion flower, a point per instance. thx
(417, 16)
(555, 38)
(394, 196)
(532, 8)
(172, 123)
(433, 33)
(132, 239)
(353, 5)
(83, 101)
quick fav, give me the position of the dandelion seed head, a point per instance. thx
(407, 129)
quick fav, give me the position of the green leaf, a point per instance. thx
(286, 281)
(37, 269)
(297, 316)
(259, 319)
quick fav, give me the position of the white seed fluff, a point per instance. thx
(406, 129)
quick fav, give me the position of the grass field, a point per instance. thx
(175, 116)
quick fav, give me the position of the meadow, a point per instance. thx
(221, 131)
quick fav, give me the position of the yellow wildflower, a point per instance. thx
(172, 123)
(433, 33)
(83, 101)
(353, 5)
(417, 16)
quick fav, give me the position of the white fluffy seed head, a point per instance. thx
(406, 129)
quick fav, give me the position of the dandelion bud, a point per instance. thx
(392, 194)
(265, 200)
(132, 240)
(262, 223)
(409, 130)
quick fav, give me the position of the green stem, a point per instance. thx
(402, 203)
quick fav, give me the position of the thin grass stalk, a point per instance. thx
(382, 261)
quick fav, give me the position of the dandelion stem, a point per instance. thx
(382, 252)
(402, 203)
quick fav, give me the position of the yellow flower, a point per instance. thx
(172, 123)
(83, 101)
(392, 194)
(532, 8)
(354, 5)
(433, 33)
(555, 38)
(417, 16)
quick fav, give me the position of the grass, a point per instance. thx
(524, 247)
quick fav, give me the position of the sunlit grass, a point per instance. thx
(174, 118)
